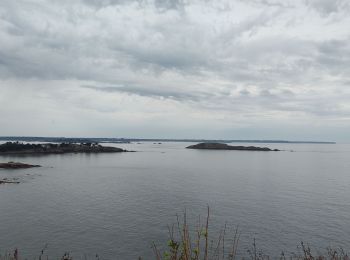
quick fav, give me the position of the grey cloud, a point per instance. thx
(334, 56)
(271, 3)
(166, 57)
(326, 7)
(266, 93)
(159, 4)
(170, 4)
(62, 48)
(150, 92)
(244, 92)
(101, 3)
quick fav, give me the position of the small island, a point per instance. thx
(222, 146)
(52, 148)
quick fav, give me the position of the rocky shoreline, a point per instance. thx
(222, 146)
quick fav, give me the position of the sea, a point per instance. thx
(118, 205)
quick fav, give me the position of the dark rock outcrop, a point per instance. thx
(221, 146)
(50, 148)
(16, 165)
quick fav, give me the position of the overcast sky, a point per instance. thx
(236, 69)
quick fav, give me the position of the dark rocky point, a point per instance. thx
(221, 146)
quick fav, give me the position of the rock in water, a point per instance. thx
(17, 165)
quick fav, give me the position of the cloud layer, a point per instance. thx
(238, 69)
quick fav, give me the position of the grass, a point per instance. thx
(186, 243)
(196, 245)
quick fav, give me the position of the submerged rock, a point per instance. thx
(4, 181)
(222, 146)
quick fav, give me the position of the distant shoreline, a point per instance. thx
(129, 140)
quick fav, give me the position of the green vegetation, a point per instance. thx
(186, 245)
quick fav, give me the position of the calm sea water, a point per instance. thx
(116, 205)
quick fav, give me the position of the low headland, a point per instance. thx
(222, 146)
(52, 148)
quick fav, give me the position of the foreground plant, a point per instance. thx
(183, 246)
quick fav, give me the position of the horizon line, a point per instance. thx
(125, 139)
